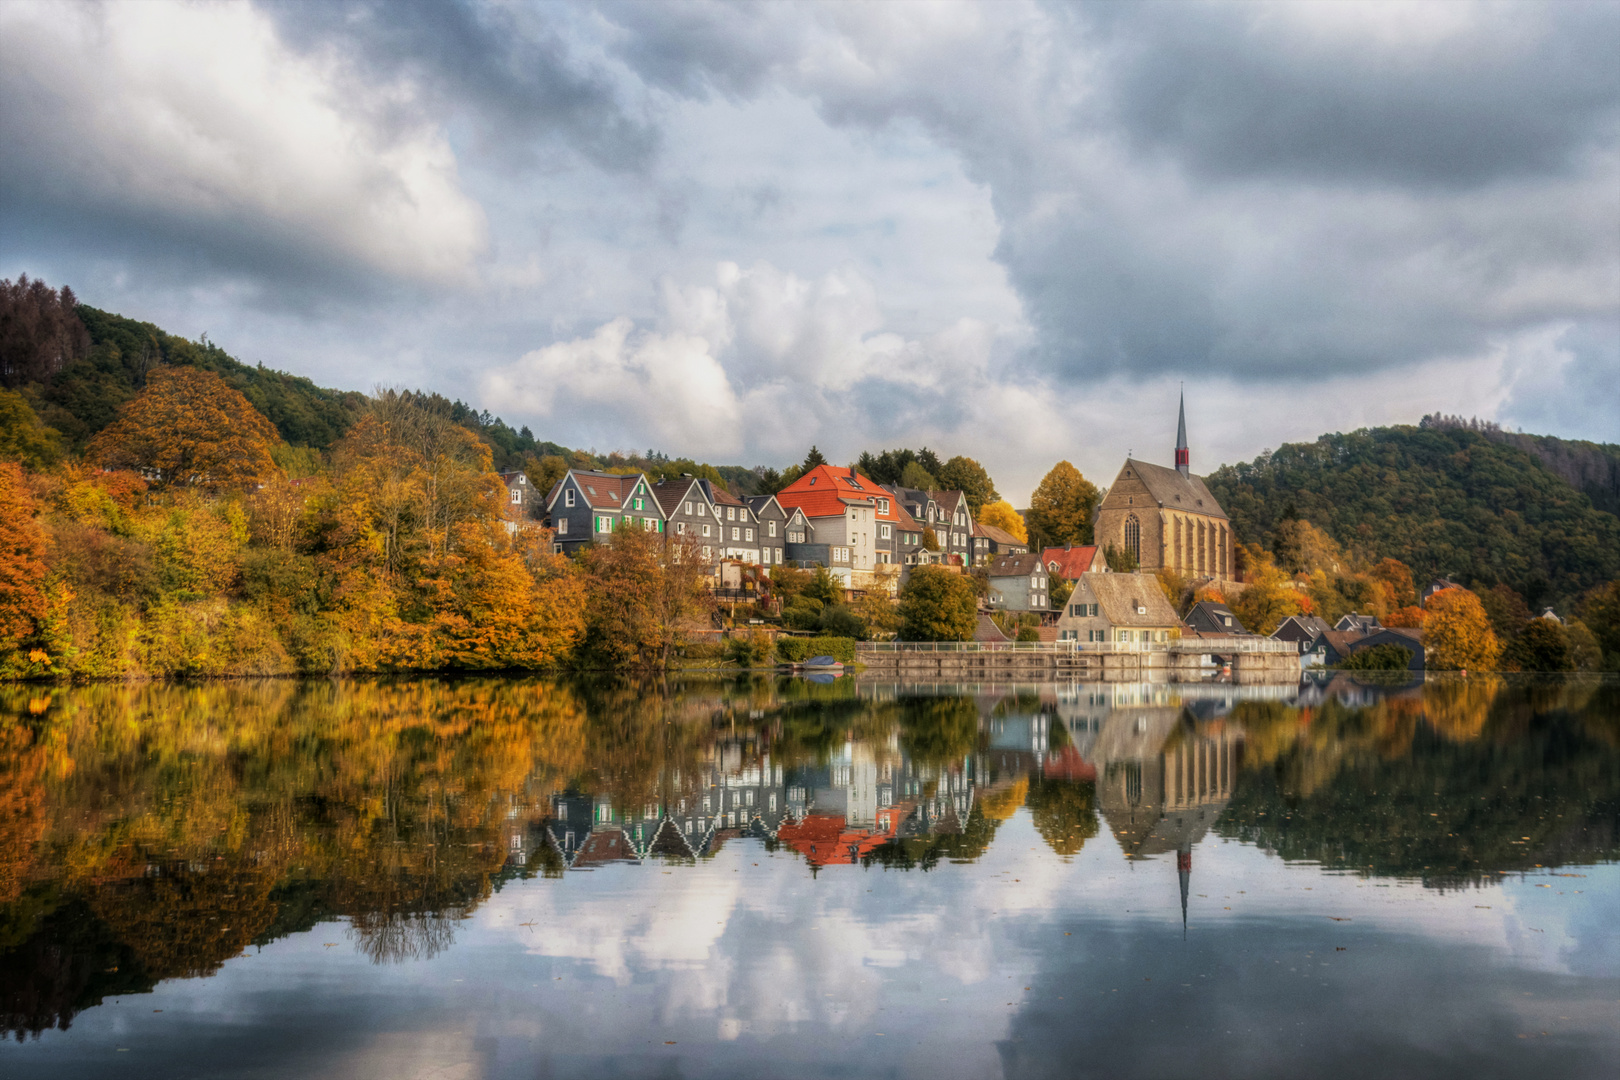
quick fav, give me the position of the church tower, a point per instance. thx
(1183, 455)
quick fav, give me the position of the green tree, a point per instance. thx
(937, 605)
(915, 476)
(1060, 509)
(811, 460)
(1600, 611)
(1543, 645)
(970, 478)
(824, 587)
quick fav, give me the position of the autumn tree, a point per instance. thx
(189, 427)
(1397, 578)
(1508, 612)
(970, 478)
(1270, 598)
(937, 605)
(642, 595)
(1457, 633)
(1001, 514)
(1060, 509)
(22, 558)
(40, 331)
(23, 437)
(544, 472)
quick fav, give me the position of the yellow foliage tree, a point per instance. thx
(189, 427)
(1457, 633)
(1060, 509)
(1271, 597)
(1002, 515)
(22, 558)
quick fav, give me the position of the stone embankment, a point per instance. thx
(1253, 660)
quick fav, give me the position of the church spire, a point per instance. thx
(1183, 455)
(1184, 872)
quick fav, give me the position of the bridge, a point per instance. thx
(1253, 659)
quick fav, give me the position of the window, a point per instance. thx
(1034, 582)
(771, 530)
(680, 528)
(736, 533)
(1133, 537)
(604, 524)
(517, 495)
(702, 510)
(568, 497)
(731, 513)
(707, 552)
(1124, 635)
(883, 532)
(748, 535)
(705, 532)
(689, 506)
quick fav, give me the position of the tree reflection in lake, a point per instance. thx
(151, 833)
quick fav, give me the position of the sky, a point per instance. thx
(1013, 231)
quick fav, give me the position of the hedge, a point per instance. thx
(792, 650)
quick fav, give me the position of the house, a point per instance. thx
(1018, 583)
(1358, 624)
(929, 512)
(1118, 608)
(956, 520)
(518, 508)
(1302, 630)
(586, 506)
(900, 541)
(1166, 518)
(688, 506)
(1069, 562)
(990, 541)
(739, 531)
(772, 520)
(1333, 647)
(1437, 585)
(1208, 617)
(844, 510)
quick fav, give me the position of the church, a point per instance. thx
(1166, 518)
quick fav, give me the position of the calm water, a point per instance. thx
(534, 879)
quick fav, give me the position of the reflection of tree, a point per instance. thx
(400, 936)
(925, 852)
(1527, 785)
(938, 731)
(22, 806)
(1064, 812)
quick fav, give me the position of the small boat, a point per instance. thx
(819, 665)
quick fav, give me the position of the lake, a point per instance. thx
(483, 878)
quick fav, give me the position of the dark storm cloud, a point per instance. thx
(1232, 95)
(506, 70)
(1243, 190)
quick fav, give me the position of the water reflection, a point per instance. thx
(155, 833)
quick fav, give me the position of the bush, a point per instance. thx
(802, 613)
(749, 650)
(1028, 633)
(704, 650)
(839, 621)
(1387, 657)
(798, 650)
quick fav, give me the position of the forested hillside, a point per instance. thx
(77, 380)
(1479, 506)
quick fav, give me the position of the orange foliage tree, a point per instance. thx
(1270, 598)
(22, 558)
(189, 427)
(645, 590)
(1457, 633)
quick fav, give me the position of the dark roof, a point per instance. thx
(1310, 624)
(1016, 565)
(1207, 614)
(1120, 595)
(671, 493)
(1000, 536)
(605, 491)
(1174, 491)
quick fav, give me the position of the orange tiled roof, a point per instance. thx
(824, 491)
(1072, 562)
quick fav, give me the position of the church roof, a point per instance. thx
(1176, 492)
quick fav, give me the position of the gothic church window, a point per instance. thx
(1133, 537)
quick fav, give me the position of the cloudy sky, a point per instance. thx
(1008, 230)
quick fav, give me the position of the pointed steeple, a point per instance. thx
(1183, 455)
(1184, 872)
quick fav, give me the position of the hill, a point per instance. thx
(1448, 499)
(85, 387)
